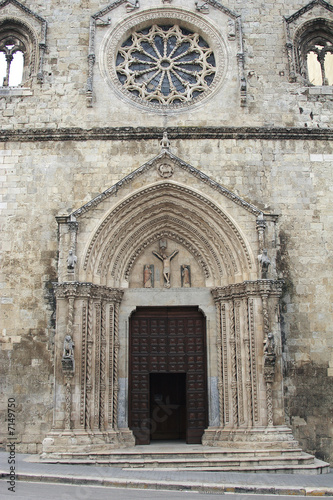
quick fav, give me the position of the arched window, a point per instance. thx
(12, 61)
(22, 46)
(315, 52)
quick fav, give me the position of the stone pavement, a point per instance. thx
(28, 468)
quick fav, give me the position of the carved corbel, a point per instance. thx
(132, 5)
(231, 29)
(202, 8)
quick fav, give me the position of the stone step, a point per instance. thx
(209, 461)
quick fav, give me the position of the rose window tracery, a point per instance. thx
(165, 65)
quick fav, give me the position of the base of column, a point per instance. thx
(63, 444)
(264, 438)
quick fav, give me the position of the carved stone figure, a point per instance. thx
(71, 260)
(165, 170)
(203, 8)
(264, 263)
(148, 276)
(68, 355)
(269, 354)
(165, 143)
(186, 276)
(166, 265)
(68, 347)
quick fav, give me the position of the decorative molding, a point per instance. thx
(83, 363)
(113, 190)
(151, 133)
(99, 20)
(84, 290)
(224, 373)
(168, 15)
(216, 242)
(239, 361)
(248, 288)
(253, 358)
(233, 360)
(307, 8)
(95, 310)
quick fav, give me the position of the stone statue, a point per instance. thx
(264, 263)
(68, 347)
(269, 350)
(147, 276)
(186, 280)
(166, 265)
(165, 143)
(71, 260)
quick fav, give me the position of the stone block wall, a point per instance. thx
(57, 154)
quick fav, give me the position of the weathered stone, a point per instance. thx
(72, 142)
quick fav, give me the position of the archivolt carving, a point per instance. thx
(152, 219)
(187, 233)
(132, 225)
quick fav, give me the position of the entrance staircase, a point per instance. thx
(180, 456)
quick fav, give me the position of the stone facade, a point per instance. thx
(248, 168)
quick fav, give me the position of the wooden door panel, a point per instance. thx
(169, 341)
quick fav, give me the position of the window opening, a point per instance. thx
(11, 62)
(320, 63)
(165, 64)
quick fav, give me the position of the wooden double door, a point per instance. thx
(167, 374)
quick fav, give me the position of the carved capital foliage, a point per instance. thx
(247, 289)
(87, 291)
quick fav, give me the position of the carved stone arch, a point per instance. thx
(171, 210)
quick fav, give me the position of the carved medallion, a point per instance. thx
(165, 170)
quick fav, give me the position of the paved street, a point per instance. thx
(35, 491)
(88, 481)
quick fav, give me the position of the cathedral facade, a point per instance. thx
(167, 228)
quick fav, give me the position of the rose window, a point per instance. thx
(165, 65)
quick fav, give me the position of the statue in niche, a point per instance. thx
(71, 260)
(269, 351)
(68, 347)
(186, 276)
(264, 263)
(68, 355)
(166, 265)
(148, 276)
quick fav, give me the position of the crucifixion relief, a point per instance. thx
(166, 259)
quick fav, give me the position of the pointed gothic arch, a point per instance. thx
(173, 211)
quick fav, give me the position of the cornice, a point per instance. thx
(77, 289)
(246, 288)
(177, 133)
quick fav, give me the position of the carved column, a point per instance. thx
(233, 359)
(97, 310)
(246, 313)
(220, 362)
(68, 400)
